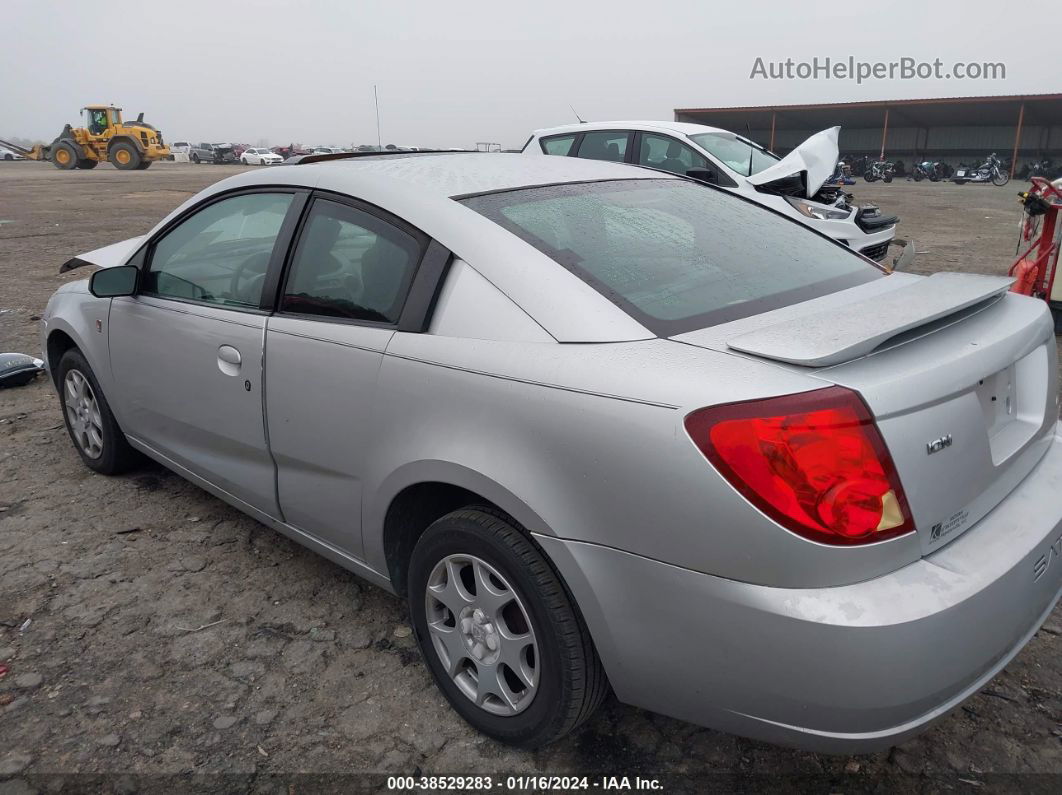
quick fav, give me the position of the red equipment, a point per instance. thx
(1036, 268)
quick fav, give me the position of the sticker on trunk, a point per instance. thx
(948, 526)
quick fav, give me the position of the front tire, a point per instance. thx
(124, 156)
(89, 421)
(87, 165)
(1001, 178)
(498, 631)
(64, 156)
(195, 158)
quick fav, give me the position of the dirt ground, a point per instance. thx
(156, 636)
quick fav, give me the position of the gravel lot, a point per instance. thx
(170, 636)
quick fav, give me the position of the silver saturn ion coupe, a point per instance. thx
(603, 428)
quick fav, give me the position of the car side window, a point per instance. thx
(604, 145)
(350, 264)
(219, 255)
(558, 144)
(668, 154)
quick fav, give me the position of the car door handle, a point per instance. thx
(229, 360)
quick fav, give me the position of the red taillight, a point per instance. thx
(814, 462)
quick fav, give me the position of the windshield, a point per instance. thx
(736, 153)
(675, 255)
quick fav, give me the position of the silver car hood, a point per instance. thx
(816, 157)
(105, 257)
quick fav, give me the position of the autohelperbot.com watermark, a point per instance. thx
(905, 68)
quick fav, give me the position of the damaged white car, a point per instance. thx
(794, 185)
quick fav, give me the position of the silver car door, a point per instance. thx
(186, 351)
(343, 296)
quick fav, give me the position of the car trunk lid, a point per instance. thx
(960, 375)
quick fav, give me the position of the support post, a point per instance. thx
(1017, 140)
(884, 134)
(771, 144)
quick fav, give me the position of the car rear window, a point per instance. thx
(676, 255)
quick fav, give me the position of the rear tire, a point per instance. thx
(562, 680)
(918, 176)
(64, 156)
(144, 166)
(89, 419)
(87, 165)
(887, 178)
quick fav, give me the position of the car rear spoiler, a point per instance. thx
(833, 336)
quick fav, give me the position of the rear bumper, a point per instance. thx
(846, 669)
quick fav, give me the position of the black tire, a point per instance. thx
(572, 683)
(887, 178)
(1056, 312)
(144, 165)
(1001, 179)
(9, 156)
(87, 165)
(194, 158)
(124, 156)
(869, 176)
(117, 456)
(918, 176)
(64, 156)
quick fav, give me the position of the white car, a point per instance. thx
(328, 150)
(260, 156)
(793, 185)
(9, 154)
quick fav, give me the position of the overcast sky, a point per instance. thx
(454, 73)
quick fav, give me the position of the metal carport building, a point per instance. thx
(1019, 128)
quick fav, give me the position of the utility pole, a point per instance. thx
(379, 140)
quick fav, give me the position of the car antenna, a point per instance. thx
(752, 151)
(581, 121)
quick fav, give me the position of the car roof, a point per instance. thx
(446, 175)
(683, 128)
(420, 188)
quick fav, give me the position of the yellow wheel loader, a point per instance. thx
(105, 136)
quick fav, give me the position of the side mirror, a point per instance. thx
(114, 282)
(703, 175)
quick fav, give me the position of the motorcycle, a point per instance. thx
(879, 169)
(842, 175)
(1041, 168)
(933, 170)
(992, 170)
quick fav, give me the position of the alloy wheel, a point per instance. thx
(482, 633)
(83, 414)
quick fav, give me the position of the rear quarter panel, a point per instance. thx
(587, 442)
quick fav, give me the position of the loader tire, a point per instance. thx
(87, 164)
(144, 165)
(124, 156)
(64, 156)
